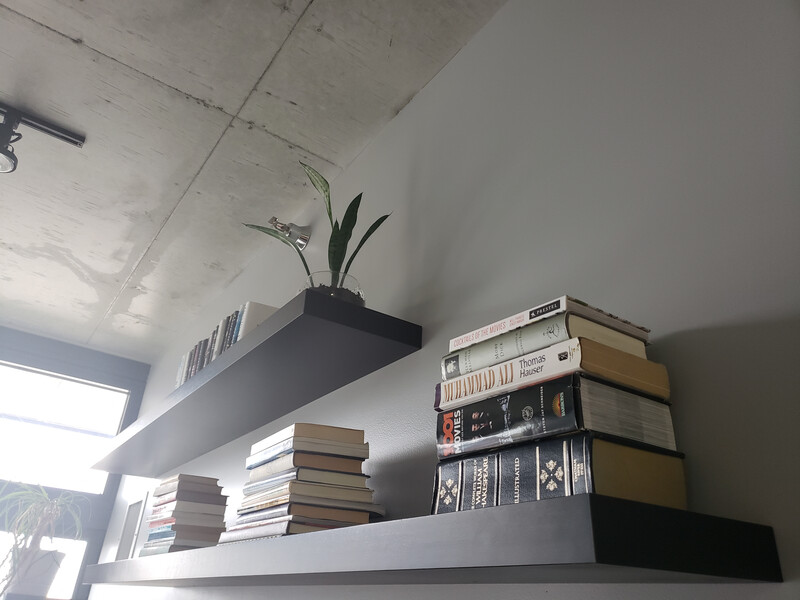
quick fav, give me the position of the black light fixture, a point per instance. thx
(13, 118)
(8, 135)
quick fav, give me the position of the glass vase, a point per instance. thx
(336, 284)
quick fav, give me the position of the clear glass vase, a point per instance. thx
(338, 285)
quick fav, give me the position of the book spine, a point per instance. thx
(537, 313)
(218, 343)
(268, 454)
(447, 490)
(580, 448)
(229, 331)
(535, 367)
(479, 481)
(245, 313)
(537, 411)
(238, 325)
(532, 472)
(512, 475)
(507, 346)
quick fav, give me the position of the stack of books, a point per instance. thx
(188, 512)
(230, 330)
(557, 400)
(304, 478)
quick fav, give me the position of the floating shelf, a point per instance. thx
(313, 345)
(578, 539)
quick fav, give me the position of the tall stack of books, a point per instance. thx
(557, 400)
(304, 478)
(188, 512)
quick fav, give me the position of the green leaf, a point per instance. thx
(322, 186)
(337, 249)
(279, 236)
(369, 232)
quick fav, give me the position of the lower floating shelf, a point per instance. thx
(586, 538)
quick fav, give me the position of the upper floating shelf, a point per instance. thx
(313, 345)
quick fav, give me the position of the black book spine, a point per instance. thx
(511, 475)
(534, 412)
(479, 487)
(447, 490)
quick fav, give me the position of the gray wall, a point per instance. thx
(640, 155)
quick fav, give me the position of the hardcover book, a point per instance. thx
(570, 356)
(186, 506)
(189, 496)
(294, 460)
(338, 492)
(299, 444)
(479, 481)
(310, 475)
(305, 510)
(275, 529)
(447, 490)
(532, 337)
(542, 311)
(369, 507)
(186, 518)
(553, 407)
(311, 431)
(186, 486)
(602, 466)
(562, 466)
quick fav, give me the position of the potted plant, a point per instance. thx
(30, 514)
(336, 281)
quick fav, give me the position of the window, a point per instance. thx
(55, 428)
(60, 406)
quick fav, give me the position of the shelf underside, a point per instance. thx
(313, 345)
(579, 539)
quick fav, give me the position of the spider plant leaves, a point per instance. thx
(322, 186)
(279, 236)
(369, 232)
(341, 234)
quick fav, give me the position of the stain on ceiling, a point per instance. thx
(195, 115)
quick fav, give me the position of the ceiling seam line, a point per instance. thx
(166, 220)
(272, 60)
(80, 42)
(290, 143)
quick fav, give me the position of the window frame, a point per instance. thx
(90, 365)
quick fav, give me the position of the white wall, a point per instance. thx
(640, 155)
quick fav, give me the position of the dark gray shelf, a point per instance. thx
(313, 345)
(578, 539)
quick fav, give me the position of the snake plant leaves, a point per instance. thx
(322, 186)
(279, 236)
(369, 232)
(341, 234)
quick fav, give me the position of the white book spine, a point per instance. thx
(509, 345)
(537, 313)
(547, 363)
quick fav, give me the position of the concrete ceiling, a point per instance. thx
(195, 113)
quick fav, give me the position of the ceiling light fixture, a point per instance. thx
(296, 234)
(8, 135)
(13, 118)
